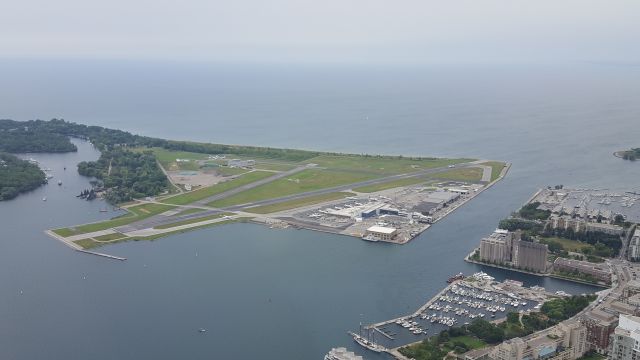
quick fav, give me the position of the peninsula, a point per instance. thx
(167, 187)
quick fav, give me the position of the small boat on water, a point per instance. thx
(103, 210)
(202, 330)
(59, 182)
(44, 199)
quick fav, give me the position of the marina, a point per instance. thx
(465, 299)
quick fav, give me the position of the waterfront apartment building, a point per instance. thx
(634, 246)
(497, 248)
(566, 341)
(599, 272)
(625, 343)
(577, 224)
(600, 325)
(506, 248)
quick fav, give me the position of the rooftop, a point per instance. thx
(381, 229)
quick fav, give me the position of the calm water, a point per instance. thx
(285, 294)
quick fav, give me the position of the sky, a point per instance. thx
(405, 31)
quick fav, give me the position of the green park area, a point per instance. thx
(471, 174)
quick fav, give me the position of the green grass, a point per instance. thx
(567, 244)
(138, 212)
(64, 232)
(381, 165)
(470, 341)
(109, 237)
(168, 159)
(292, 204)
(391, 185)
(191, 221)
(496, 168)
(87, 244)
(465, 174)
(307, 180)
(188, 198)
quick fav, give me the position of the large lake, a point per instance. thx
(286, 294)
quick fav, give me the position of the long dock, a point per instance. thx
(103, 255)
(418, 312)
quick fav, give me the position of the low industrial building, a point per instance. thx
(381, 233)
(238, 163)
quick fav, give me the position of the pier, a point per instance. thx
(103, 255)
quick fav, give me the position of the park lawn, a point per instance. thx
(192, 221)
(568, 244)
(292, 204)
(203, 193)
(138, 212)
(307, 180)
(472, 174)
(471, 342)
(390, 185)
(496, 168)
(109, 237)
(382, 165)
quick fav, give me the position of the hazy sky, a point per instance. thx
(324, 30)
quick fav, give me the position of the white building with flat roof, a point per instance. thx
(382, 232)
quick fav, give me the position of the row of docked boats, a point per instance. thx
(412, 326)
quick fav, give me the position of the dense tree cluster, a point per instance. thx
(17, 176)
(606, 244)
(25, 140)
(126, 174)
(531, 212)
(105, 138)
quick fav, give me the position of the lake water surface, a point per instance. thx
(286, 294)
